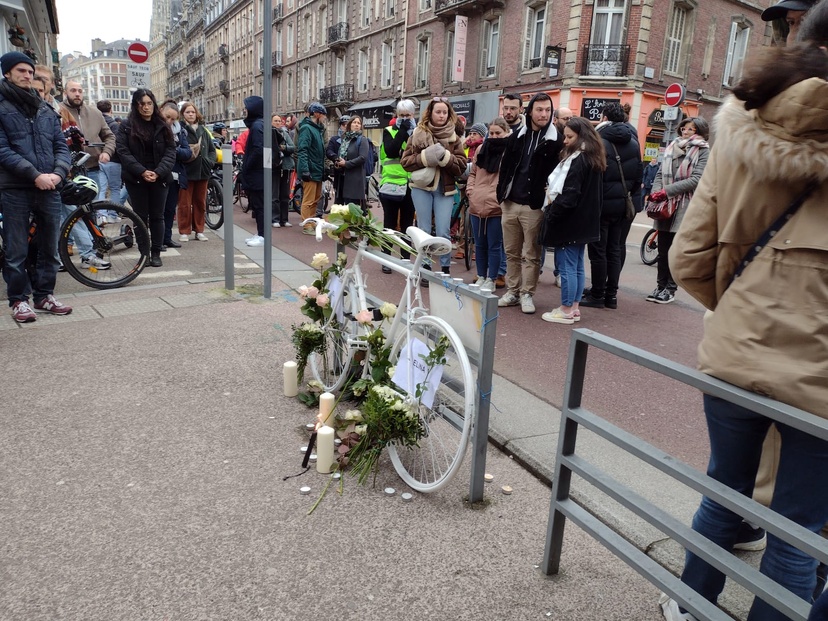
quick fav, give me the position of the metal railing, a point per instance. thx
(338, 33)
(223, 52)
(224, 87)
(567, 463)
(276, 60)
(605, 60)
(339, 93)
(278, 12)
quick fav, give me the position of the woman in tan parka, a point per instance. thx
(769, 329)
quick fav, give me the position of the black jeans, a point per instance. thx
(399, 215)
(170, 209)
(607, 255)
(281, 196)
(665, 277)
(255, 199)
(149, 200)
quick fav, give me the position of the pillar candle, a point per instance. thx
(324, 449)
(291, 379)
(326, 408)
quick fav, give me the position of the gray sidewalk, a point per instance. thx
(142, 478)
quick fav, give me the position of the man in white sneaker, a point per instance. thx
(34, 160)
(531, 154)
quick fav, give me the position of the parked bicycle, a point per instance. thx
(649, 247)
(447, 422)
(121, 241)
(461, 232)
(214, 217)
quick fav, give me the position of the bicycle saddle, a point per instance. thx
(428, 244)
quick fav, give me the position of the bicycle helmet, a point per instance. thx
(217, 127)
(344, 119)
(79, 191)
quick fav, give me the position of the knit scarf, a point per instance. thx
(27, 101)
(444, 134)
(347, 137)
(557, 178)
(490, 154)
(690, 149)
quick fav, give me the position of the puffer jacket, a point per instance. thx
(769, 330)
(310, 149)
(622, 137)
(133, 155)
(26, 154)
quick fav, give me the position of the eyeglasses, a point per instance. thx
(443, 99)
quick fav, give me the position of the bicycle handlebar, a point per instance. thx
(321, 225)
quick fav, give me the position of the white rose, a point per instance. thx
(388, 310)
(320, 260)
(361, 429)
(340, 209)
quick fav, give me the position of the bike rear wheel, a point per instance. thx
(214, 216)
(649, 247)
(439, 453)
(332, 366)
(123, 242)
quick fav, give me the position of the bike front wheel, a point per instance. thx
(332, 366)
(214, 217)
(649, 247)
(119, 245)
(431, 464)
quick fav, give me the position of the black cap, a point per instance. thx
(780, 9)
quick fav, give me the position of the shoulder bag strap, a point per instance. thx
(620, 168)
(773, 229)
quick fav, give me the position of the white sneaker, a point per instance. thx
(202, 237)
(95, 263)
(508, 299)
(558, 281)
(276, 225)
(255, 241)
(487, 284)
(287, 224)
(183, 238)
(526, 303)
(670, 610)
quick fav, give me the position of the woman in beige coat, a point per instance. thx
(769, 329)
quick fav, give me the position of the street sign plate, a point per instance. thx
(138, 76)
(670, 113)
(138, 53)
(674, 94)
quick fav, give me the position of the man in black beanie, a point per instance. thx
(34, 160)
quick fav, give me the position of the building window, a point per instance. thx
(365, 13)
(341, 11)
(736, 50)
(308, 33)
(278, 91)
(607, 56)
(676, 32)
(390, 7)
(320, 76)
(535, 27)
(362, 71)
(290, 40)
(449, 68)
(387, 64)
(425, 5)
(306, 84)
(339, 70)
(491, 43)
(290, 89)
(421, 77)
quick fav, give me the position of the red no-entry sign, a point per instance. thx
(138, 53)
(674, 95)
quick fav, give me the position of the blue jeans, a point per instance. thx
(80, 236)
(569, 260)
(438, 205)
(110, 178)
(17, 206)
(488, 245)
(801, 495)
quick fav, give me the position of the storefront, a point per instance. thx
(375, 116)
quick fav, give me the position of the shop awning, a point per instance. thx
(375, 114)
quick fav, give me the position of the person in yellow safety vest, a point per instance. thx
(394, 193)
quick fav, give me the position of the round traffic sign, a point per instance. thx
(138, 52)
(674, 94)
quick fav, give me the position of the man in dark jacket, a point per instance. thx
(606, 256)
(531, 154)
(310, 160)
(34, 160)
(332, 154)
(253, 164)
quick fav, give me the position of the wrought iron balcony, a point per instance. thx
(338, 35)
(224, 53)
(340, 93)
(605, 60)
(197, 82)
(177, 92)
(276, 61)
(449, 8)
(224, 87)
(278, 12)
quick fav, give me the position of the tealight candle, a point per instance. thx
(488, 477)
(390, 491)
(291, 379)
(506, 490)
(304, 490)
(406, 497)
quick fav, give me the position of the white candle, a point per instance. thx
(326, 408)
(324, 449)
(291, 379)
